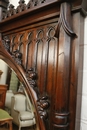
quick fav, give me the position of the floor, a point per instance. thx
(4, 127)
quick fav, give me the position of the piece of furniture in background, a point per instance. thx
(3, 89)
(5, 118)
(9, 94)
(21, 113)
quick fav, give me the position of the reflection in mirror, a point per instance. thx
(17, 101)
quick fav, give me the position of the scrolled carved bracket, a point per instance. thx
(64, 22)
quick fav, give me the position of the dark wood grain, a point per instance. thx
(40, 41)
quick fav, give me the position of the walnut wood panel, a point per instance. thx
(40, 41)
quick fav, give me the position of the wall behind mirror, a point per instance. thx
(8, 77)
(15, 2)
(4, 68)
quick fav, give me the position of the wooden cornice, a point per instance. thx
(37, 5)
(14, 16)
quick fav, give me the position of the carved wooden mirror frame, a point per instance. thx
(53, 27)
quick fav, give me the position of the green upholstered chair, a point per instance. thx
(5, 118)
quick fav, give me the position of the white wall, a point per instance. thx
(15, 2)
(81, 113)
(3, 67)
(84, 85)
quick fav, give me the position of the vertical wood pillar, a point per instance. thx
(64, 34)
(76, 65)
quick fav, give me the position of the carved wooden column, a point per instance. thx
(64, 34)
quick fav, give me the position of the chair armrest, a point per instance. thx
(16, 110)
(13, 109)
(13, 100)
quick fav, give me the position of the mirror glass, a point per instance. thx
(17, 100)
